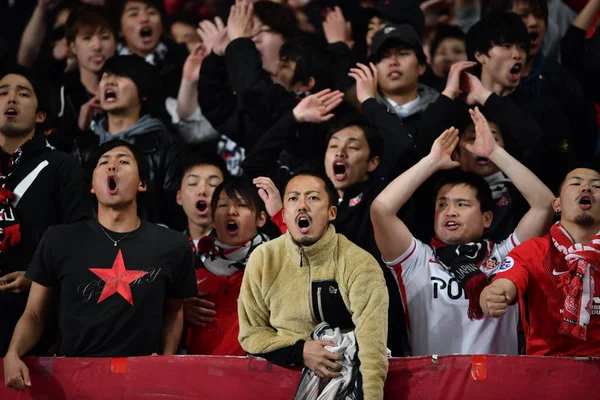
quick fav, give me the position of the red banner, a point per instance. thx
(198, 377)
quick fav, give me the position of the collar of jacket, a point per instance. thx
(536, 70)
(315, 255)
(31, 148)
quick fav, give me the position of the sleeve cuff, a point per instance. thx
(277, 219)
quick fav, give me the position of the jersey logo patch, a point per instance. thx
(355, 200)
(506, 264)
(491, 263)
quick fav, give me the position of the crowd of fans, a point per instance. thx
(318, 183)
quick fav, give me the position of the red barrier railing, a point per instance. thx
(197, 377)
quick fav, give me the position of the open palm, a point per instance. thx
(443, 147)
(317, 107)
(484, 143)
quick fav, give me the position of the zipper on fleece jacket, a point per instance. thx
(312, 313)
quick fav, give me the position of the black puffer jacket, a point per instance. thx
(163, 155)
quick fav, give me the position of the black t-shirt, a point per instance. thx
(112, 297)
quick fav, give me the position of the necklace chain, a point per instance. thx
(116, 242)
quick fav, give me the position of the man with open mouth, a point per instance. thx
(555, 277)
(498, 47)
(441, 282)
(39, 187)
(312, 275)
(120, 280)
(126, 95)
(143, 33)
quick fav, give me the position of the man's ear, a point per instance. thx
(40, 117)
(373, 163)
(261, 219)
(178, 197)
(306, 87)
(480, 57)
(422, 69)
(487, 219)
(332, 213)
(556, 205)
(72, 47)
(142, 187)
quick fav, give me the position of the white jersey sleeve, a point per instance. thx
(499, 251)
(412, 261)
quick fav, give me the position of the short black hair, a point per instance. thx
(371, 135)
(309, 52)
(279, 18)
(392, 44)
(442, 33)
(40, 88)
(118, 7)
(594, 166)
(91, 16)
(316, 173)
(456, 176)
(193, 160)
(238, 187)
(185, 18)
(96, 153)
(497, 29)
(539, 8)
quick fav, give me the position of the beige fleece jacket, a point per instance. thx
(275, 304)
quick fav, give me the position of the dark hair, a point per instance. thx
(315, 173)
(594, 166)
(496, 29)
(185, 18)
(235, 187)
(456, 176)
(279, 18)
(91, 16)
(97, 152)
(118, 7)
(361, 122)
(143, 74)
(539, 8)
(40, 88)
(442, 33)
(309, 52)
(395, 43)
(193, 160)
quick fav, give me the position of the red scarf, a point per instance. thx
(578, 284)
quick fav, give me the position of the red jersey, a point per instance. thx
(534, 267)
(219, 337)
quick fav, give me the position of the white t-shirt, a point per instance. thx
(437, 305)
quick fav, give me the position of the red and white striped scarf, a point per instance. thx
(577, 285)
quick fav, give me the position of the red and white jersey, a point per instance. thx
(436, 305)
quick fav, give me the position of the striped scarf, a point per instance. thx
(577, 285)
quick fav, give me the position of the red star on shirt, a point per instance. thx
(117, 279)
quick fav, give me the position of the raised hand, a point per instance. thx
(191, 68)
(241, 20)
(484, 144)
(317, 107)
(269, 194)
(213, 35)
(477, 94)
(457, 83)
(366, 81)
(86, 113)
(442, 149)
(336, 28)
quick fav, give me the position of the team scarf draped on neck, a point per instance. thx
(463, 261)
(10, 231)
(577, 285)
(224, 260)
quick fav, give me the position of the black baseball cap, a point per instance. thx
(399, 12)
(403, 33)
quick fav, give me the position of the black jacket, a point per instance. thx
(163, 155)
(58, 195)
(581, 57)
(548, 78)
